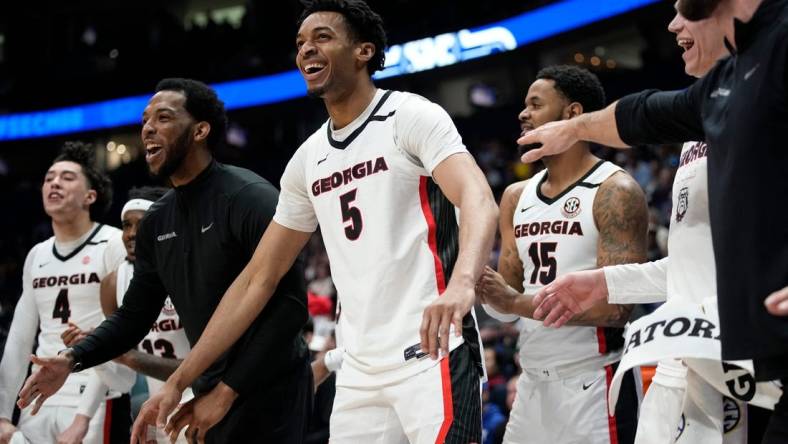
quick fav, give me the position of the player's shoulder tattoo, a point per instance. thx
(621, 216)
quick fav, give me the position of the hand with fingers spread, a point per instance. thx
(449, 309)
(73, 334)
(46, 381)
(202, 413)
(777, 302)
(493, 290)
(569, 295)
(76, 432)
(554, 138)
(154, 412)
(7, 430)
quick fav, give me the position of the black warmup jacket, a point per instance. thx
(740, 108)
(191, 245)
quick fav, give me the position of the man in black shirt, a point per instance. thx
(741, 109)
(192, 244)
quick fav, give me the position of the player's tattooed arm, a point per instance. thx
(621, 216)
(149, 365)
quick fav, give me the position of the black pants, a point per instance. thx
(278, 414)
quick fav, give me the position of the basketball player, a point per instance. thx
(687, 276)
(578, 213)
(190, 245)
(61, 279)
(165, 346)
(739, 108)
(381, 177)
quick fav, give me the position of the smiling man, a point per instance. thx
(382, 178)
(60, 282)
(191, 244)
(579, 213)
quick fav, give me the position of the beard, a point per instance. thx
(316, 93)
(522, 149)
(174, 157)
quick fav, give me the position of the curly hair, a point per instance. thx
(577, 85)
(148, 193)
(364, 24)
(84, 154)
(203, 104)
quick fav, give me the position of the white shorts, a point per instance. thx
(572, 409)
(697, 413)
(439, 405)
(51, 421)
(709, 416)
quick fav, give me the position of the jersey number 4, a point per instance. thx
(545, 265)
(352, 214)
(62, 309)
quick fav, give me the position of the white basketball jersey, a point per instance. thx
(66, 289)
(691, 271)
(390, 234)
(166, 337)
(555, 236)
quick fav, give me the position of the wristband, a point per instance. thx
(333, 359)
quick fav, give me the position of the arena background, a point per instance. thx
(56, 55)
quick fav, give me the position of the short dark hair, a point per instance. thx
(203, 104)
(695, 10)
(364, 24)
(148, 193)
(84, 154)
(577, 85)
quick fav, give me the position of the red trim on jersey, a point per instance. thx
(428, 216)
(611, 420)
(108, 422)
(600, 336)
(448, 405)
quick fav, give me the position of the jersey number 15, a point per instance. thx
(545, 265)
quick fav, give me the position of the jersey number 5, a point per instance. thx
(62, 309)
(541, 255)
(352, 214)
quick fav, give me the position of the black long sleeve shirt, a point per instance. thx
(740, 109)
(192, 244)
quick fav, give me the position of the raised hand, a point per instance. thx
(448, 309)
(568, 296)
(554, 137)
(154, 412)
(46, 381)
(200, 414)
(493, 290)
(777, 302)
(73, 334)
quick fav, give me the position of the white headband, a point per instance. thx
(135, 205)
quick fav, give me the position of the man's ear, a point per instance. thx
(365, 52)
(201, 131)
(573, 110)
(90, 197)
